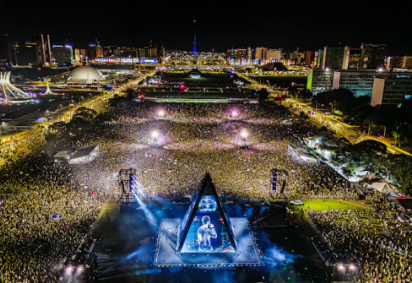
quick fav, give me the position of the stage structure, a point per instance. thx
(206, 237)
(275, 182)
(9, 91)
(127, 183)
(205, 228)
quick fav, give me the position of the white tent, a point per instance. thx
(384, 187)
(360, 171)
(370, 177)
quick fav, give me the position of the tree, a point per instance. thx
(85, 114)
(397, 135)
(263, 95)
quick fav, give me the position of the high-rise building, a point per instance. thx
(391, 92)
(62, 55)
(359, 82)
(355, 58)
(239, 53)
(77, 54)
(373, 56)
(336, 58)
(273, 54)
(99, 51)
(147, 52)
(5, 54)
(43, 50)
(24, 54)
(316, 58)
(308, 58)
(249, 53)
(260, 53)
(401, 62)
(319, 80)
(108, 51)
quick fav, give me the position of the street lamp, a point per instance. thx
(161, 113)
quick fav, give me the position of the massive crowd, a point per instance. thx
(376, 240)
(47, 208)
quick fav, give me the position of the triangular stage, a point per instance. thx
(205, 228)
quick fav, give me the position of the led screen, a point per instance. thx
(207, 234)
(207, 204)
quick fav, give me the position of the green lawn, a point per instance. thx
(324, 205)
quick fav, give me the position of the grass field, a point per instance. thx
(324, 205)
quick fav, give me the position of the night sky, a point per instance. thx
(309, 25)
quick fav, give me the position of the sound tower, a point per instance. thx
(132, 179)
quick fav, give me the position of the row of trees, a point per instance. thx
(358, 111)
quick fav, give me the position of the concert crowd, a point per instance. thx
(47, 208)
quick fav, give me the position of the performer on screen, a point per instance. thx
(204, 233)
(207, 203)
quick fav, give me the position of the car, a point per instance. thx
(296, 202)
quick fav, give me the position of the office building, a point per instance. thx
(239, 53)
(261, 53)
(401, 62)
(146, 52)
(108, 51)
(250, 53)
(296, 56)
(391, 92)
(316, 58)
(5, 54)
(354, 58)
(308, 58)
(319, 80)
(273, 54)
(77, 54)
(359, 82)
(43, 50)
(373, 56)
(24, 54)
(335, 57)
(62, 55)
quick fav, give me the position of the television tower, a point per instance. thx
(194, 39)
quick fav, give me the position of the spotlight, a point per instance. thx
(69, 270)
(234, 114)
(244, 134)
(155, 134)
(161, 113)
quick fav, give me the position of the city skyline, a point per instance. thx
(308, 27)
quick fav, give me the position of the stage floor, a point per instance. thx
(166, 255)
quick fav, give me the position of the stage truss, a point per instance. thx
(125, 182)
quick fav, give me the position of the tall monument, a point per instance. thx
(194, 39)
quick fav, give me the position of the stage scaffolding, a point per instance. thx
(126, 187)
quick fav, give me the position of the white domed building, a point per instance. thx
(85, 75)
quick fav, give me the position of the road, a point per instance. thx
(342, 130)
(21, 142)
